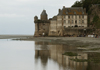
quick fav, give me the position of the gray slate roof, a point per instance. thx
(44, 12)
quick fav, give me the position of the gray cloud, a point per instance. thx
(17, 16)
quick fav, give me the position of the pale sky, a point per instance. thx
(17, 16)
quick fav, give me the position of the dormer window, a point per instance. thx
(79, 21)
(74, 12)
(66, 12)
(82, 12)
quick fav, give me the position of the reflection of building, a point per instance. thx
(68, 21)
(42, 52)
(95, 61)
(41, 46)
(55, 52)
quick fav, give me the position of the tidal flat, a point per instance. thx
(85, 43)
(80, 42)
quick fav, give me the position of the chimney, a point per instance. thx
(63, 7)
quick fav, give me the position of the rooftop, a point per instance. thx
(44, 12)
(72, 11)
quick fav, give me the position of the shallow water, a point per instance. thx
(30, 55)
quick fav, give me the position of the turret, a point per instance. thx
(44, 15)
(35, 18)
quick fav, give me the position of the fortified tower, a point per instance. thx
(42, 24)
(44, 15)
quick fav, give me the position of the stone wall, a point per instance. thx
(41, 28)
(76, 31)
(53, 28)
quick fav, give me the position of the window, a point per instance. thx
(79, 16)
(83, 16)
(68, 16)
(75, 17)
(83, 12)
(72, 16)
(64, 16)
(66, 12)
(74, 12)
(82, 21)
(72, 21)
(64, 26)
(64, 21)
(79, 21)
(75, 21)
(69, 21)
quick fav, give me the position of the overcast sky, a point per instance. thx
(17, 16)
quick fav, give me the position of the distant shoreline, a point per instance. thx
(83, 42)
(31, 38)
(14, 36)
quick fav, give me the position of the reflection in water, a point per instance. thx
(43, 55)
(20, 55)
(17, 55)
(83, 61)
(95, 61)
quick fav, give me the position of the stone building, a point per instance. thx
(74, 18)
(68, 21)
(42, 24)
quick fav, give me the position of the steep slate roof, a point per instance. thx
(44, 12)
(72, 11)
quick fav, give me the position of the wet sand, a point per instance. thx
(79, 39)
(57, 39)
(83, 43)
(73, 41)
(14, 36)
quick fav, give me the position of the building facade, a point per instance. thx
(74, 18)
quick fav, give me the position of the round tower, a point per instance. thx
(44, 15)
(35, 18)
